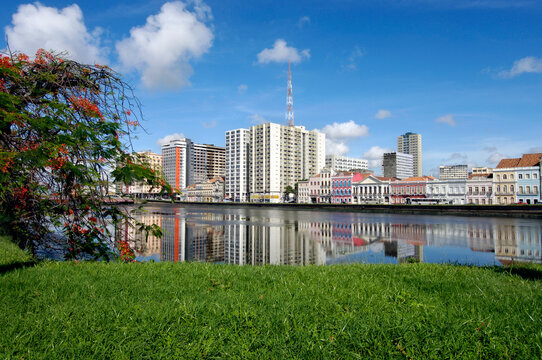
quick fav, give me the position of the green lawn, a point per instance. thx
(165, 310)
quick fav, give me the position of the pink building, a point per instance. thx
(341, 186)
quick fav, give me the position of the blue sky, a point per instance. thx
(466, 74)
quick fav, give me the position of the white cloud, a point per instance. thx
(383, 114)
(36, 26)
(534, 150)
(335, 147)
(282, 53)
(353, 58)
(304, 20)
(209, 125)
(495, 158)
(374, 155)
(257, 119)
(162, 48)
(242, 88)
(446, 119)
(345, 130)
(528, 64)
(166, 139)
(338, 134)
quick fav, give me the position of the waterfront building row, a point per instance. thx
(512, 181)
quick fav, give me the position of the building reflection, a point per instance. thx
(259, 240)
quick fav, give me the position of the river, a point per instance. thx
(258, 236)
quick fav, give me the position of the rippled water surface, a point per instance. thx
(258, 236)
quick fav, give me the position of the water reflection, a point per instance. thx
(255, 236)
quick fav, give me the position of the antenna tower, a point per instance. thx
(290, 99)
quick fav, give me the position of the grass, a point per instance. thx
(186, 310)
(11, 255)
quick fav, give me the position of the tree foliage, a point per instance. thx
(65, 131)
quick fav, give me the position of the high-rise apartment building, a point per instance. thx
(449, 172)
(411, 143)
(185, 162)
(237, 158)
(345, 163)
(175, 158)
(398, 165)
(281, 155)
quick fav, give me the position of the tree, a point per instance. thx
(65, 131)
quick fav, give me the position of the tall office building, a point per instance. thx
(206, 162)
(411, 143)
(449, 172)
(237, 156)
(185, 162)
(345, 163)
(281, 155)
(398, 165)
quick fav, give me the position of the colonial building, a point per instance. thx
(303, 192)
(480, 189)
(452, 191)
(410, 190)
(372, 190)
(506, 180)
(341, 186)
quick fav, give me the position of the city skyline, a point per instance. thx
(363, 73)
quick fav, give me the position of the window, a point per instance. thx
(527, 176)
(535, 189)
(520, 176)
(511, 188)
(498, 178)
(504, 188)
(504, 177)
(534, 176)
(528, 188)
(520, 190)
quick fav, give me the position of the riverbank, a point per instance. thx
(519, 211)
(186, 310)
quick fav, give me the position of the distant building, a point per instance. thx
(411, 143)
(345, 163)
(141, 189)
(207, 191)
(449, 172)
(409, 190)
(481, 170)
(398, 165)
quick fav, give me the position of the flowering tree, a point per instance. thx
(64, 137)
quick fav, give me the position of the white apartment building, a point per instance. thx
(398, 165)
(281, 155)
(175, 159)
(453, 172)
(411, 143)
(237, 159)
(345, 163)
